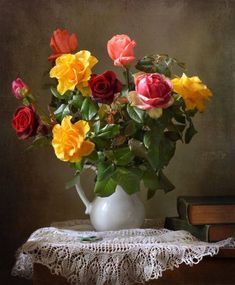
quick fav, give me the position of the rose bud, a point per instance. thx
(19, 88)
(121, 50)
(152, 90)
(104, 87)
(25, 122)
(62, 42)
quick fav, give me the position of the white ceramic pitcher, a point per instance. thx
(116, 212)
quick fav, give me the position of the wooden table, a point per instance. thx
(216, 270)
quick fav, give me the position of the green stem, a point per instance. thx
(44, 117)
(127, 77)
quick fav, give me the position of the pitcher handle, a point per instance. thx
(80, 190)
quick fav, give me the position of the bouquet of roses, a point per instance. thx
(127, 130)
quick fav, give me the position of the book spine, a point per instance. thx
(182, 208)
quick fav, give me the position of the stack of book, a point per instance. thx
(207, 218)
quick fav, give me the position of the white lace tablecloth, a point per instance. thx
(120, 257)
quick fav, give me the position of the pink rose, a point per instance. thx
(152, 90)
(19, 88)
(121, 50)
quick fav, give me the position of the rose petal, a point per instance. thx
(136, 101)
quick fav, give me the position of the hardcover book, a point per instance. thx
(208, 233)
(207, 210)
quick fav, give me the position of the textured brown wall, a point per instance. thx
(200, 33)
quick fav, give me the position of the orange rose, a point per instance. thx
(62, 42)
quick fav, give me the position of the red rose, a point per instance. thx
(104, 87)
(25, 122)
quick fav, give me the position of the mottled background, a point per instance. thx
(200, 33)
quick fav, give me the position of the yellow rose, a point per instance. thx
(69, 140)
(73, 70)
(193, 91)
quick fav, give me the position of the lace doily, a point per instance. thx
(120, 257)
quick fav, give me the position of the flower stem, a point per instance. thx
(45, 119)
(127, 77)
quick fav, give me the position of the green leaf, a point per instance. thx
(78, 165)
(101, 143)
(175, 128)
(145, 64)
(109, 154)
(160, 152)
(154, 182)
(179, 128)
(40, 141)
(127, 179)
(66, 112)
(72, 182)
(135, 114)
(191, 113)
(109, 131)
(173, 136)
(163, 68)
(105, 188)
(160, 63)
(147, 139)
(138, 148)
(190, 132)
(138, 171)
(61, 112)
(76, 101)
(155, 63)
(164, 120)
(151, 180)
(96, 127)
(166, 185)
(123, 156)
(180, 118)
(105, 170)
(93, 157)
(65, 97)
(55, 102)
(153, 153)
(88, 109)
(55, 92)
